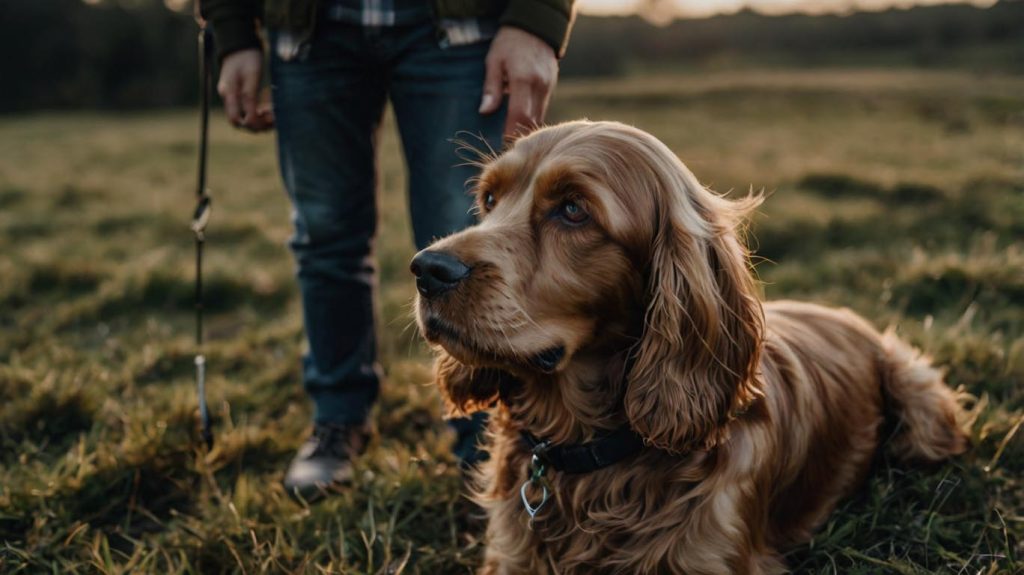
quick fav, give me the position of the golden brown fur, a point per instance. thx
(758, 417)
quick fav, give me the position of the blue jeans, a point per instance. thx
(328, 104)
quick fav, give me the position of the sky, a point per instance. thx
(662, 10)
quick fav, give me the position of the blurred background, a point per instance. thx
(138, 54)
(889, 137)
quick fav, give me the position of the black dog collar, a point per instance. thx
(586, 457)
(605, 450)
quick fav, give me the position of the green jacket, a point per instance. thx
(235, 21)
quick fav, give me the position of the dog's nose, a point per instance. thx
(437, 272)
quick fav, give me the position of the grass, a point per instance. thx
(897, 193)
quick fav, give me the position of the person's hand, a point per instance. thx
(525, 67)
(239, 86)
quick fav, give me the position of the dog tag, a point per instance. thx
(530, 509)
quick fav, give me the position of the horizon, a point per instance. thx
(664, 11)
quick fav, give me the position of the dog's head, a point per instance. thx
(596, 241)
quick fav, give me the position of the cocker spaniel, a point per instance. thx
(650, 413)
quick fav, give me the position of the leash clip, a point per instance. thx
(201, 217)
(537, 471)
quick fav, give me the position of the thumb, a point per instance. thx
(494, 80)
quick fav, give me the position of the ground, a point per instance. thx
(897, 193)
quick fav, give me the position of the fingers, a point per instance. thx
(249, 92)
(529, 68)
(257, 113)
(265, 110)
(522, 110)
(239, 87)
(542, 97)
(494, 82)
(528, 104)
(228, 89)
(263, 117)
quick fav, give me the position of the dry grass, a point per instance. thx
(899, 194)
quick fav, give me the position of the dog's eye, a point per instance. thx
(489, 201)
(572, 212)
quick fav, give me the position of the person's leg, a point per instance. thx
(435, 93)
(328, 105)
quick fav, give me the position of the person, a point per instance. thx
(484, 67)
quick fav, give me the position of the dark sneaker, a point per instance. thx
(325, 460)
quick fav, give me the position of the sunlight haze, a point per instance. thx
(664, 10)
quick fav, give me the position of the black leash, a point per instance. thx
(200, 217)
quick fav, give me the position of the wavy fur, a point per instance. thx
(759, 417)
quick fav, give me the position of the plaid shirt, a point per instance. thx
(380, 13)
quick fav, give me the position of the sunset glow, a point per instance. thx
(667, 9)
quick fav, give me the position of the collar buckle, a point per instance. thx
(540, 454)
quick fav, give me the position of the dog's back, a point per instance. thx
(831, 379)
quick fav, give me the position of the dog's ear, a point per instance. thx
(695, 364)
(466, 389)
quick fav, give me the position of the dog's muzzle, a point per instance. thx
(437, 272)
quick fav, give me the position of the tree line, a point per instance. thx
(131, 54)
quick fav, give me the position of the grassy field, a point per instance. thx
(899, 194)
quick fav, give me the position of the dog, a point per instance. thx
(650, 414)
